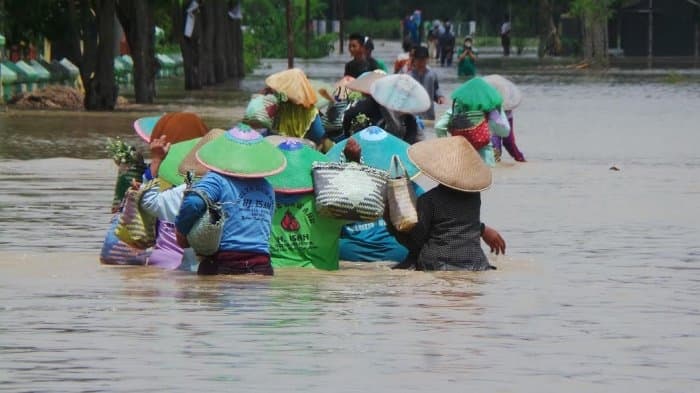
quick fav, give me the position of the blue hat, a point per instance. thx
(377, 148)
(144, 126)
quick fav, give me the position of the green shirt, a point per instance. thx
(302, 238)
(466, 66)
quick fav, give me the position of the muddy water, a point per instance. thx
(598, 292)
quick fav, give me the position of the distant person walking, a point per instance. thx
(428, 78)
(505, 35)
(447, 45)
(466, 59)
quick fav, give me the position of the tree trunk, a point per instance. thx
(290, 36)
(74, 34)
(206, 55)
(101, 89)
(220, 39)
(88, 58)
(341, 18)
(189, 46)
(237, 51)
(136, 17)
(595, 44)
(231, 54)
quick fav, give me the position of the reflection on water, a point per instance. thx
(599, 291)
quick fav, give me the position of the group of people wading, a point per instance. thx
(258, 177)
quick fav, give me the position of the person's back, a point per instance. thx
(248, 205)
(454, 238)
(301, 237)
(236, 181)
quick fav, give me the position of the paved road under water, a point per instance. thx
(599, 291)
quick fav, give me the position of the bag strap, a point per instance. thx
(397, 167)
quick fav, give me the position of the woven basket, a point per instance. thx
(349, 191)
(205, 235)
(401, 197)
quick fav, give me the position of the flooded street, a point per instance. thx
(598, 292)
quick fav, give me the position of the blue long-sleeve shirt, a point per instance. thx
(248, 204)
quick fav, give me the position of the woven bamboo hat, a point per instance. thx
(144, 127)
(340, 90)
(168, 169)
(378, 146)
(477, 95)
(509, 91)
(242, 152)
(401, 93)
(179, 126)
(364, 82)
(452, 162)
(296, 177)
(278, 139)
(190, 162)
(294, 85)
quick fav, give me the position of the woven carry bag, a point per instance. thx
(205, 235)
(401, 198)
(349, 191)
(136, 229)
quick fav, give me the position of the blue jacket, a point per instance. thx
(248, 204)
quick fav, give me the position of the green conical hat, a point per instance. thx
(168, 170)
(242, 152)
(477, 95)
(296, 177)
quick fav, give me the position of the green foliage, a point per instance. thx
(596, 9)
(251, 52)
(32, 20)
(383, 28)
(266, 29)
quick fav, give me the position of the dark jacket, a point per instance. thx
(448, 233)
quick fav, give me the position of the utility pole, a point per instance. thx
(341, 17)
(308, 26)
(650, 54)
(290, 36)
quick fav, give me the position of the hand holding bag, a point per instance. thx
(135, 228)
(205, 235)
(401, 197)
(349, 191)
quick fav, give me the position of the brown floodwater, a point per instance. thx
(598, 293)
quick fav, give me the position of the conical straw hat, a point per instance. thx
(378, 146)
(364, 82)
(190, 162)
(293, 84)
(278, 139)
(477, 95)
(452, 162)
(168, 169)
(179, 126)
(296, 177)
(401, 93)
(509, 91)
(144, 127)
(242, 152)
